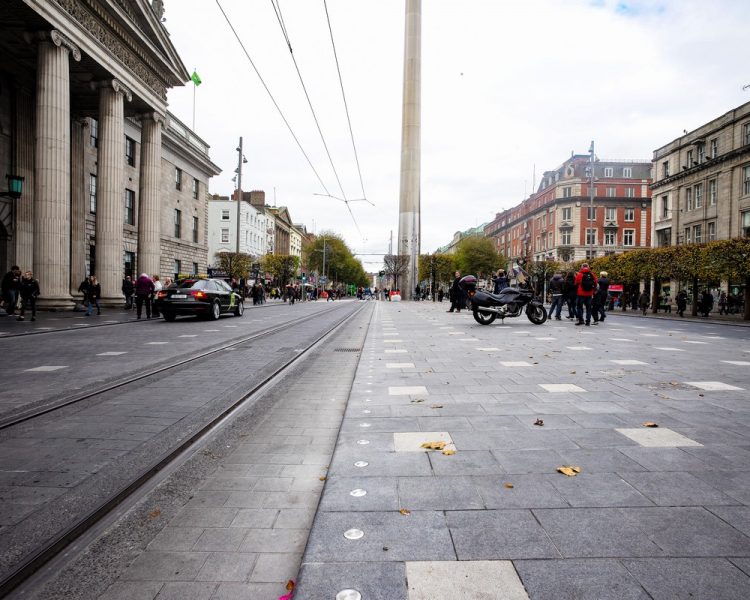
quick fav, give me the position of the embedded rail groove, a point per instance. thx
(37, 559)
(57, 404)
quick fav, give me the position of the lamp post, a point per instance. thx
(591, 199)
(15, 187)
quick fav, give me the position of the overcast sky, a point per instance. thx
(506, 85)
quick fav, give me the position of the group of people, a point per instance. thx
(19, 290)
(584, 294)
(140, 293)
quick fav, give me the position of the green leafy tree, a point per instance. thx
(477, 255)
(340, 263)
(436, 268)
(282, 267)
(234, 264)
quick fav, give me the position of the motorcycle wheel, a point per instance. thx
(483, 318)
(537, 315)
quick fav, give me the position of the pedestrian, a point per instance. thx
(144, 289)
(643, 302)
(93, 294)
(440, 294)
(455, 294)
(29, 293)
(11, 289)
(158, 287)
(417, 292)
(556, 285)
(599, 301)
(127, 290)
(723, 304)
(681, 302)
(500, 281)
(585, 282)
(707, 302)
(570, 291)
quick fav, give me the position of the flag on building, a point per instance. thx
(196, 78)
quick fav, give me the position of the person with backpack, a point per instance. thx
(599, 301)
(586, 283)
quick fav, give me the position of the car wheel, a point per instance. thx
(239, 310)
(169, 315)
(215, 312)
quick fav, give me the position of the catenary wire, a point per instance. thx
(276, 104)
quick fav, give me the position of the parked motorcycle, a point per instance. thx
(486, 307)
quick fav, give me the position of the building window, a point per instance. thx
(688, 198)
(591, 213)
(177, 268)
(701, 153)
(196, 188)
(630, 192)
(565, 238)
(630, 214)
(665, 168)
(688, 238)
(711, 231)
(746, 180)
(627, 171)
(611, 192)
(567, 213)
(747, 133)
(698, 234)
(129, 263)
(746, 223)
(130, 151)
(610, 214)
(224, 215)
(225, 236)
(609, 171)
(712, 192)
(609, 238)
(129, 207)
(92, 194)
(628, 237)
(590, 236)
(665, 207)
(689, 158)
(590, 254)
(714, 148)
(698, 195)
(94, 133)
(544, 220)
(195, 230)
(177, 178)
(567, 192)
(664, 237)
(195, 268)
(177, 223)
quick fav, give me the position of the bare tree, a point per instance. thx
(395, 266)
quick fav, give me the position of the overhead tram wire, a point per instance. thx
(268, 91)
(280, 19)
(346, 105)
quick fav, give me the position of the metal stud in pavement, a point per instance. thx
(354, 534)
(364, 425)
(361, 463)
(348, 595)
(358, 493)
(363, 442)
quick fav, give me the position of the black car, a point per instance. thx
(197, 296)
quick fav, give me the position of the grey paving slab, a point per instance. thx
(227, 566)
(186, 591)
(464, 580)
(598, 489)
(676, 489)
(528, 491)
(132, 590)
(579, 579)
(438, 493)
(166, 566)
(373, 580)
(381, 494)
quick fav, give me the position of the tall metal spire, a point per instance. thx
(409, 222)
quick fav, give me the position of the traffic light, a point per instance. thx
(381, 273)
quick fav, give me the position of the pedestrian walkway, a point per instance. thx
(713, 318)
(540, 477)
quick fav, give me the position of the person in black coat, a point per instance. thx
(128, 289)
(92, 295)
(600, 298)
(456, 294)
(11, 288)
(29, 293)
(570, 291)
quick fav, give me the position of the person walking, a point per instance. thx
(440, 294)
(599, 301)
(144, 289)
(643, 302)
(707, 302)
(455, 294)
(11, 289)
(723, 304)
(158, 287)
(417, 293)
(127, 290)
(29, 293)
(93, 293)
(682, 302)
(570, 291)
(585, 282)
(500, 281)
(556, 285)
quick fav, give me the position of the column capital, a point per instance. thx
(114, 84)
(58, 38)
(154, 116)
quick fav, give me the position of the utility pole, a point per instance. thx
(240, 160)
(591, 198)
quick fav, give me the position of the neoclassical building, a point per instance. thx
(112, 183)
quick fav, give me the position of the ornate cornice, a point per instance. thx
(155, 117)
(120, 87)
(60, 40)
(126, 56)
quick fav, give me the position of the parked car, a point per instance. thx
(201, 297)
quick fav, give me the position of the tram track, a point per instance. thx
(36, 559)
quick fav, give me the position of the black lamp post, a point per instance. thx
(15, 187)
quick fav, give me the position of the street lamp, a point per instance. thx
(591, 196)
(15, 187)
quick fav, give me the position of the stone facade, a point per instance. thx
(222, 228)
(701, 185)
(83, 119)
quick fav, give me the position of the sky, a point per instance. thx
(509, 89)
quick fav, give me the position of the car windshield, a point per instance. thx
(191, 284)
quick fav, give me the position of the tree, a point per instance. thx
(234, 264)
(328, 254)
(395, 266)
(477, 255)
(437, 269)
(281, 266)
(541, 271)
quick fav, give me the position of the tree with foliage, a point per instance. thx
(282, 267)
(234, 264)
(340, 263)
(541, 272)
(478, 256)
(437, 268)
(395, 266)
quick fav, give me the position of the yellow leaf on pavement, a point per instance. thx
(569, 470)
(405, 511)
(508, 485)
(433, 445)
(449, 452)
(650, 424)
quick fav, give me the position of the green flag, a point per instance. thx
(196, 78)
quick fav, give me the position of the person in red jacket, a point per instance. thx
(585, 283)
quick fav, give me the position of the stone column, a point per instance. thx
(111, 190)
(23, 160)
(52, 181)
(409, 222)
(78, 204)
(149, 202)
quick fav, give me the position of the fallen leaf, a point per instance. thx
(290, 585)
(433, 445)
(572, 372)
(322, 477)
(449, 452)
(405, 511)
(539, 422)
(569, 470)
(417, 400)
(701, 395)
(436, 406)
(650, 424)
(508, 485)
(155, 513)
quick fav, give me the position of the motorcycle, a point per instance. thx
(486, 307)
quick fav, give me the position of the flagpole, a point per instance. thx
(194, 86)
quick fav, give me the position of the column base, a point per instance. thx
(55, 303)
(112, 301)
